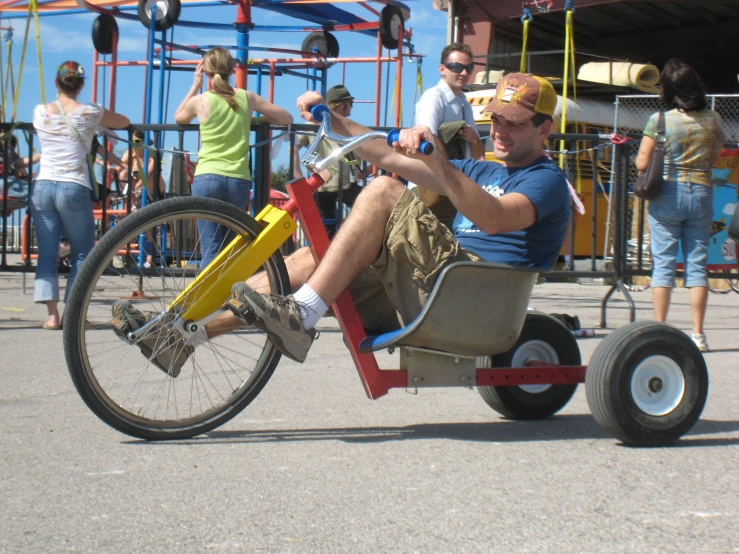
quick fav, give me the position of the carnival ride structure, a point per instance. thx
(319, 52)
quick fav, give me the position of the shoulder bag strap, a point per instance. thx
(77, 135)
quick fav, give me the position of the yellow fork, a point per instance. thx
(237, 262)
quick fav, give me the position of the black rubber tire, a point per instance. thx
(391, 24)
(103, 29)
(645, 346)
(163, 22)
(85, 378)
(539, 331)
(325, 43)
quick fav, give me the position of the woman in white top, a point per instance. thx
(61, 199)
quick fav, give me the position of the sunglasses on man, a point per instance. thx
(456, 67)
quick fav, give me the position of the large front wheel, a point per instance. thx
(149, 258)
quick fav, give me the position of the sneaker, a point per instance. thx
(279, 316)
(164, 348)
(700, 341)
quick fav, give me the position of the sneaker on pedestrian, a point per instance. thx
(700, 341)
(281, 317)
(162, 347)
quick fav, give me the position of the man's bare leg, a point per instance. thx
(359, 241)
(355, 247)
(300, 266)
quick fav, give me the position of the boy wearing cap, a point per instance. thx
(391, 249)
(341, 102)
(446, 102)
(447, 113)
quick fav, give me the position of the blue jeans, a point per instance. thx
(60, 207)
(683, 212)
(229, 189)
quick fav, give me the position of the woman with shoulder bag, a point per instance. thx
(224, 114)
(61, 200)
(683, 210)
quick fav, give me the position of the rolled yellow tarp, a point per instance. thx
(644, 77)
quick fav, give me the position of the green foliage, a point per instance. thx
(280, 176)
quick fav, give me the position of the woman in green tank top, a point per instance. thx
(224, 115)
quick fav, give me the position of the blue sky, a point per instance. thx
(69, 37)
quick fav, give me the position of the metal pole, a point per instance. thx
(243, 20)
(378, 82)
(398, 76)
(113, 71)
(95, 59)
(147, 119)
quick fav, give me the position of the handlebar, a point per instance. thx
(425, 147)
(322, 115)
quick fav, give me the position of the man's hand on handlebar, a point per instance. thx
(410, 140)
(306, 101)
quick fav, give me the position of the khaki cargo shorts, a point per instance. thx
(391, 293)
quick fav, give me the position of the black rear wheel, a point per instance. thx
(545, 339)
(647, 383)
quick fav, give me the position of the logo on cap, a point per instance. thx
(512, 94)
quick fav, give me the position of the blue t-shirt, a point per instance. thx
(536, 246)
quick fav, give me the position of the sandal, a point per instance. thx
(48, 327)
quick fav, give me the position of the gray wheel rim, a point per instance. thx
(162, 8)
(534, 350)
(395, 24)
(657, 385)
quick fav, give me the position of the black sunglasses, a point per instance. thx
(456, 67)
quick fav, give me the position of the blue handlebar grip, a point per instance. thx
(392, 136)
(317, 112)
(425, 147)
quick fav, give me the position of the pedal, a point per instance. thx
(241, 310)
(121, 329)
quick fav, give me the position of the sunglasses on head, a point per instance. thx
(456, 67)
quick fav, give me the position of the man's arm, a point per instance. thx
(375, 152)
(512, 212)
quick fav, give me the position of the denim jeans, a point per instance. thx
(229, 189)
(58, 208)
(683, 212)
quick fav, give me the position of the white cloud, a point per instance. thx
(58, 39)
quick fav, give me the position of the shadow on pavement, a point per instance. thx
(577, 427)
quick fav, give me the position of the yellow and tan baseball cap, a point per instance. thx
(519, 96)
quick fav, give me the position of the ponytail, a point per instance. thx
(224, 90)
(218, 65)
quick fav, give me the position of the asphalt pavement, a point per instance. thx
(312, 465)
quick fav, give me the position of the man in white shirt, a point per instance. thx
(446, 102)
